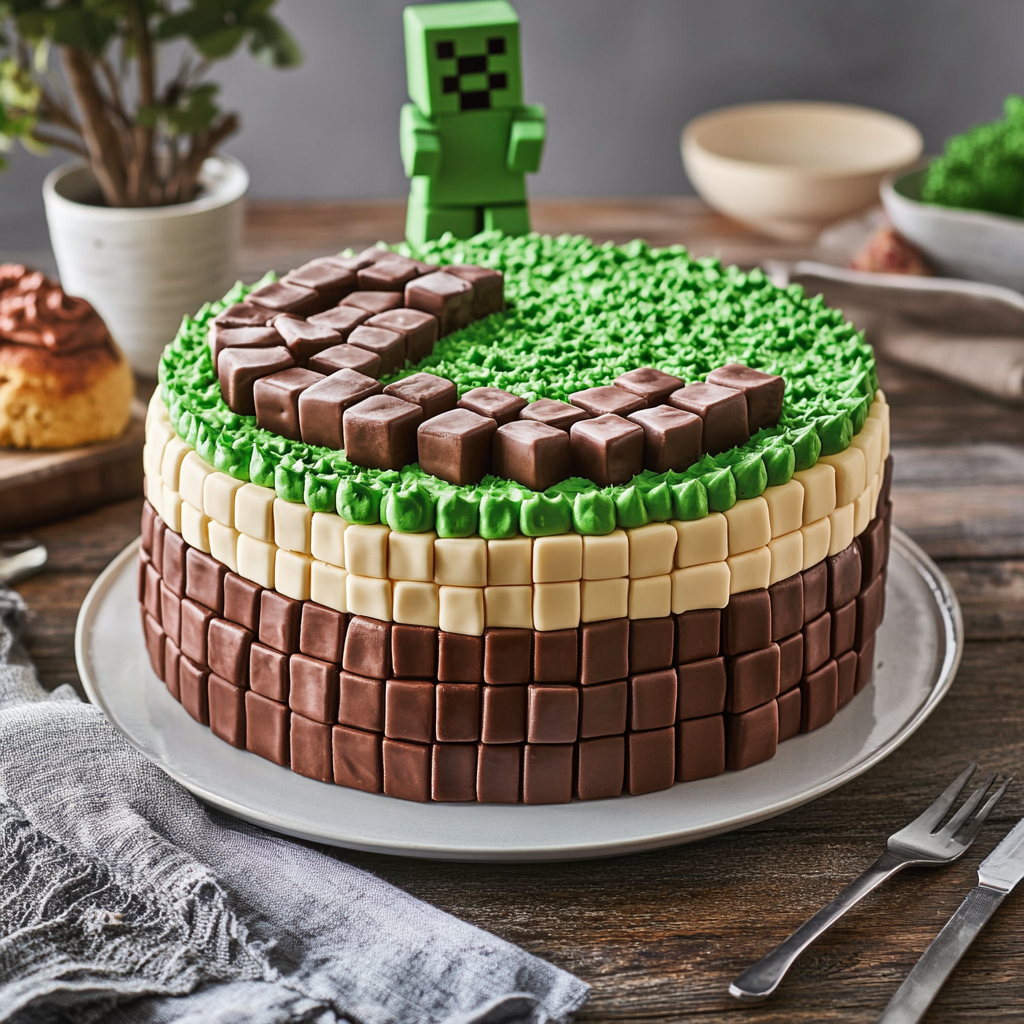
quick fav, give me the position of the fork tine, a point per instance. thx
(937, 811)
(970, 805)
(973, 827)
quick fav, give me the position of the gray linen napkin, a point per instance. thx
(125, 900)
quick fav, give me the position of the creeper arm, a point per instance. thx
(526, 140)
(420, 142)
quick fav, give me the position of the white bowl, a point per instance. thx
(790, 169)
(959, 243)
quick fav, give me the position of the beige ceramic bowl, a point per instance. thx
(790, 169)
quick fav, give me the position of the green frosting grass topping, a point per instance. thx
(578, 315)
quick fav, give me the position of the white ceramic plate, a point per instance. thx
(917, 655)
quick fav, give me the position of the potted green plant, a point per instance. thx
(147, 221)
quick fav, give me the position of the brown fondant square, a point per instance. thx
(419, 330)
(227, 711)
(460, 658)
(653, 386)
(380, 432)
(276, 399)
(819, 696)
(532, 454)
(552, 713)
(702, 688)
(268, 673)
(195, 625)
(456, 446)
(457, 713)
(865, 664)
(607, 449)
(407, 770)
(242, 602)
(723, 410)
(192, 685)
(409, 710)
(698, 635)
(600, 767)
(787, 601)
(844, 628)
(672, 438)
(604, 709)
(433, 394)
(789, 713)
(700, 748)
(357, 759)
(169, 612)
(507, 656)
(652, 700)
(361, 702)
(498, 773)
(322, 405)
(817, 642)
(266, 728)
(367, 649)
(752, 737)
(753, 679)
(844, 573)
(555, 655)
(314, 688)
(791, 661)
(503, 716)
(747, 622)
(228, 647)
(453, 774)
(280, 619)
(870, 609)
(322, 632)
(413, 651)
(171, 663)
(652, 644)
(815, 591)
(311, 748)
(604, 651)
(763, 392)
(650, 760)
(547, 773)
(554, 413)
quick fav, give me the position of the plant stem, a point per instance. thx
(141, 166)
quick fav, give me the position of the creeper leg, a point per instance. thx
(512, 219)
(423, 222)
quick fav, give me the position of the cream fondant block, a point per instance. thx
(155, 409)
(369, 596)
(170, 464)
(876, 489)
(195, 527)
(787, 554)
(151, 460)
(292, 526)
(817, 536)
(256, 560)
(842, 529)
(862, 512)
(700, 586)
(556, 606)
(750, 525)
(417, 603)
(292, 574)
(750, 571)
(191, 478)
(411, 556)
(158, 435)
(819, 484)
(851, 473)
(366, 550)
(460, 562)
(327, 538)
(461, 609)
(219, 491)
(509, 607)
(650, 597)
(869, 441)
(785, 507)
(702, 540)
(327, 586)
(604, 599)
(558, 559)
(170, 510)
(607, 557)
(510, 562)
(254, 512)
(652, 550)
(224, 544)
(880, 411)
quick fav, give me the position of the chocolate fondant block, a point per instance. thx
(266, 728)
(155, 645)
(409, 710)
(600, 767)
(460, 658)
(346, 357)
(503, 714)
(303, 338)
(607, 449)
(373, 303)
(672, 437)
(501, 406)
(698, 635)
(311, 748)
(547, 773)
(844, 576)
(652, 385)
(268, 673)
(277, 400)
(380, 432)
(238, 370)
(361, 702)
(443, 295)
(148, 519)
(328, 278)
(604, 709)
(552, 713)
(819, 693)
(652, 700)
(388, 346)
(498, 773)
(533, 454)
(342, 319)
(747, 622)
(171, 665)
(413, 651)
(228, 651)
(456, 446)
(886, 489)
(846, 681)
(652, 644)
(314, 688)
(488, 288)
(817, 642)
(702, 688)
(195, 625)
(787, 606)
(433, 394)
(753, 679)
(279, 622)
(815, 591)
(193, 683)
(242, 601)
(791, 661)
(555, 656)
(151, 592)
(204, 579)
(173, 571)
(241, 337)
(553, 413)
(607, 401)
(700, 748)
(723, 410)
(390, 273)
(453, 772)
(357, 759)
(650, 760)
(322, 632)
(406, 770)
(419, 330)
(322, 405)
(873, 551)
(367, 647)
(507, 656)
(157, 555)
(865, 663)
(457, 713)
(752, 737)
(870, 608)
(287, 297)
(763, 392)
(844, 628)
(789, 713)
(244, 314)
(604, 651)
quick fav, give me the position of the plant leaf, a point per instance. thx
(271, 43)
(219, 44)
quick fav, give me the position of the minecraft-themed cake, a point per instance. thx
(515, 518)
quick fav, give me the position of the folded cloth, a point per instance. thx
(125, 900)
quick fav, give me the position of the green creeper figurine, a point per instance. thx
(468, 139)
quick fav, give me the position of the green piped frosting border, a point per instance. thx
(578, 314)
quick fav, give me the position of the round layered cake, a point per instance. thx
(515, 518)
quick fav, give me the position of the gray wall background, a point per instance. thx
(619, 80)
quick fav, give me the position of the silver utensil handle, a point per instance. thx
(929, 974)
(760, 981)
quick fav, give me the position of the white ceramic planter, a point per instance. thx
(143, 269)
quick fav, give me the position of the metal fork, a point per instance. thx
(922, 842)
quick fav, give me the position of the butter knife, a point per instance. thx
(999, 872)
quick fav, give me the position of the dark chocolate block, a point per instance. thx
(155, 643)
(607, 449)
(604, 651)
(303, 338)
(380, 432)
(846, 672)
(151, 592)
(501, 406)
(419, 330)
(552, 713)
(865, 663)
(314, 688)
(157, 555)
(443, 295)
(141, 566)
(287, 298)
(357, 759)
(241, 337)
(365, 258)
(652, 385)
(547, 773)
(268, 673)
(817, 642)
(409, 710)
(388, 346)
(227, 711)
(886, 489)
(342, 319)
(753, 679)
(453, 775)
(747, 622)
(328, 278)
(460, 658)
(238, 370)
(763, 392)
(652, 644)
(844, 628)
(455, 446)
(870, 608)
(242, 601)
(672, 437)
(277, 400)
(148, 519)
(228, 651)
(498, 774)
(787, 600)
(815, 591)
(873, 551)
(844, 573)
(723, 410)
(604, 709)
(346, 357)
(457, 712)
(367, 647)
(533, 454)
(607, 401)
(322, 632)
(553, 413)
(433, 394)
(195, 625)
(702, 688)
(193, 683)
(279, 622)
(413, 651)
(173, 571)
(507, 656)
(791, 661)
(698, 635)
(390, 273)
(244, 314)
(789, 713)
(373, 303)
(171, 664)
(322, 406)
(600, 767)
(700, 748)
(650, 760)
(488, 288)
(503, 718)
(555, 656)
(751, 737)
(407, 770)
(311, 753)
(652, 700)
(204, 579)
(361, 702)
(819, 692)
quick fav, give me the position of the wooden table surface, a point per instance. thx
(660, 935)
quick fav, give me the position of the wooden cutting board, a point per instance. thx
(39, 486)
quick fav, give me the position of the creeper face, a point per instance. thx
(463, 57)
